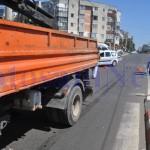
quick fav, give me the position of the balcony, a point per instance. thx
(63, 28)
(61, 14)
(111, 23)
(110, 32)
(110, 15)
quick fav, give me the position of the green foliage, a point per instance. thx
(129, 44)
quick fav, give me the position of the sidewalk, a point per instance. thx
(147, 115)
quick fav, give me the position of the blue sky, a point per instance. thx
(135, 18)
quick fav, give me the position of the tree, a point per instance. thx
(130, 45)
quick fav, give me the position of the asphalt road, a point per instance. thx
(112, 116)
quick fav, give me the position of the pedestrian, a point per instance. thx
(148, 67)
(94, 71)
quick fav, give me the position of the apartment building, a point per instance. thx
(89, 19)
(66, 12)
(94, 22)
(113, 33)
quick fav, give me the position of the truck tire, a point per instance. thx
(73, 110)
(71, 114)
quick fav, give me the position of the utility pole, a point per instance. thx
(115, 23)
(79, 14)
(68, 16)
(126, 40)
(8, 13)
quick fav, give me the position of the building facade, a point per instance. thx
(89, 19)
(66, 13)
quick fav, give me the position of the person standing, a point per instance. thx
(148, 67)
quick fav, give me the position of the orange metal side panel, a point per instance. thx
(31, 55)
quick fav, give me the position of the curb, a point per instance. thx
(147, 116)
(147, 123)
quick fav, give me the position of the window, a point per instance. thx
(81, 16)
(113, 54)
(110, 36)
(102, 54)
(62, 5)
(95, 17)
(94, 35)
(103, 10)
(110, 11)
(81, 33)
(103, 27)
(108, 27)
(72, 5)
(81, 25)
(94, 25)
(102, 35)
(103, 18)
(82, 7)
(107, 54)
(72, 24)
(62, 24)
(95, 8)
(72, 15)
(109, 19)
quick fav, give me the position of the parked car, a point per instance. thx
(134, 52)
(108, 57)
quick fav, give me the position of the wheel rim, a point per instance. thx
(76, 106)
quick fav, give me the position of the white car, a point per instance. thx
(108, 57)
(134, 52)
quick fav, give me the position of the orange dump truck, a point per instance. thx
(44, 69)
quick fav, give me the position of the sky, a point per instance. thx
(135, 18)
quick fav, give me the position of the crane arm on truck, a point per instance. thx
(31, 10)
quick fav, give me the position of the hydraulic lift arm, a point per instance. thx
(31, 10)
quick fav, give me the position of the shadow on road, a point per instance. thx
(24, 121)
(140, 73)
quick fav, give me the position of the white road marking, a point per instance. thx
(148, 93)
(128, 134)
(137, 94)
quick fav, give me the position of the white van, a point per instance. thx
(103, 46)
(108, 57)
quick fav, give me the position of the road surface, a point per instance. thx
(112, 116)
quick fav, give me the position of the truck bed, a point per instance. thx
(30, 55)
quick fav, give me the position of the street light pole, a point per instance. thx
(115, 20)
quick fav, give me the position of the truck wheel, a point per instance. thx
(71, 114)
(114, 63)
(73, 110)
